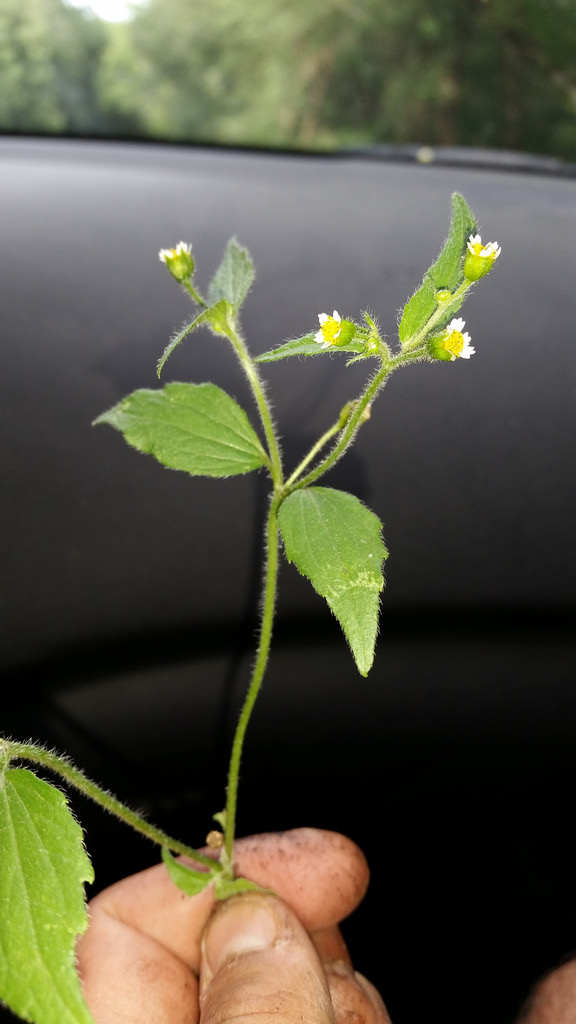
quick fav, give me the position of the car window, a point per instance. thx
(293, 74)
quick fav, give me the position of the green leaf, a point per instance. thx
(197, 428)
(43, 867)
(306, 346)
(234, 276)
(177, 338)
(216, 317)
(336, 542)
(192, 882)
(220, 318)
(445, 273)
(188, 879)
(226, 887)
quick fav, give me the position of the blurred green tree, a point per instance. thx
(293, 73)
(48, 60)
(487, 73)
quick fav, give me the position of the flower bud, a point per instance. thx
(479, 259)
(179, 261)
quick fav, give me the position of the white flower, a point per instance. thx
(456, 340)
(179, 261)
(330, 328)
(182, 249)
(490, 251)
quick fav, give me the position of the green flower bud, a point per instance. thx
(479, 259)
(179, 261)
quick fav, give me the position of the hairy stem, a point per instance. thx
(268, 605)
(266, 419)
(62, 767)
(313, 452)
(351, 429)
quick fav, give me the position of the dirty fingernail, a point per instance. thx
(243, 924)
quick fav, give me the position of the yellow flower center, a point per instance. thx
(331, 330)
(454, 344)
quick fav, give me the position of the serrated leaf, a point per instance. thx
(188, 879)
(43, 868)
(306, 346)
(234, 276)
(336, 542)
(445, 273)
(197, 428)
(198, 321)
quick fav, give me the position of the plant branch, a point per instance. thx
(313, 452)
(267, 619)
(257, 388)
(62, 767)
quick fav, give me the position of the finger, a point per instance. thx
(321, 875)
(553, 1001)
(330, 945)
(257, 960)
(127, 977)
(353, 997)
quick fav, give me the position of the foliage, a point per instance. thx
(43, 866)
(322, 75)
(48, 68)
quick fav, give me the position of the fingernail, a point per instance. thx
(242, 924)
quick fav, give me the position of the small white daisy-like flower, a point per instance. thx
(456, 340)
(490, 251)
(182, 249)
(179, 260)
(330, 328)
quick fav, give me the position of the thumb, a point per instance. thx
(257, 960)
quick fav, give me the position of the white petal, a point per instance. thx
(456, 325)
(323, 317)
(319, 337)
(336, 316)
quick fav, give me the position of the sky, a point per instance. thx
(109, 10)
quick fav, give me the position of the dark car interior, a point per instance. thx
(129, 593)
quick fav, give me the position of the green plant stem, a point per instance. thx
(313, 452)
(350, 430)
(268, 605)
(194, 295)
(62, 767)
(257, 388)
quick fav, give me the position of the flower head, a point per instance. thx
(179, 261)
(330, 328)
(479, 259)
(453, 343)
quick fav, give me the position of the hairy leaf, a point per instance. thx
(306, 346)
(216, 317)
(197, 428)
(446, 273)
(43, 867)
(234, 276)
(336, 542)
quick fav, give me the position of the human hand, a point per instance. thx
(152, 953)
